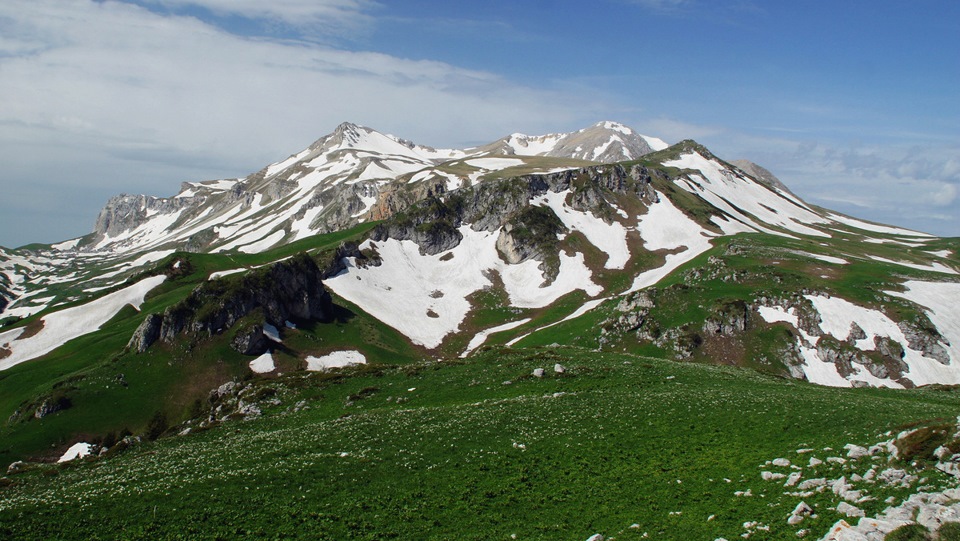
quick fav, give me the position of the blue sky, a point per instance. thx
(855, 105)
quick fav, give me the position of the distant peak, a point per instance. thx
(348, 128)
(614, 126)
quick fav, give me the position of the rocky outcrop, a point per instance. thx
(251, 341)
(146, 334)
(334, 265)
(926, 339)
(52, 405)
(728, 319)
(433, 222)
(530, 234)
(286, 290)
(125, 212)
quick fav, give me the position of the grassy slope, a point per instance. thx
(167, 378)
(448, 451)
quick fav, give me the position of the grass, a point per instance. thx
(168, 378)
(444, 450)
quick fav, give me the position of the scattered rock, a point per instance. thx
(559, 368)
(845, 508)
(793, 479)
(855, 451)
(538, 372)
(800, 512)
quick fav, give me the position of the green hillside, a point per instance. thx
(629, 447)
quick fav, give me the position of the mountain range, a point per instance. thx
(365, 249)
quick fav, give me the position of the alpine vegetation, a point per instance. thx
(581, 335)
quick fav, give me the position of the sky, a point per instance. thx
(855, 105)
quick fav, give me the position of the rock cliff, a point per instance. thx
(286, 290)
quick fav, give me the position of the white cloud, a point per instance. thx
(332, 15)
(126, 99)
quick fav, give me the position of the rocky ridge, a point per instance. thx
(286, 290)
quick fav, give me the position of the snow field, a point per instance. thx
(837, 315)
(665, 227)
(609, 238)
(876, 228)
(65, 325)
(942, 303)
(719, 186)
(425, 296)
(337, 359)
(933, 267)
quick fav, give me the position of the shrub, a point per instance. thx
(909, 532)
(950, 531)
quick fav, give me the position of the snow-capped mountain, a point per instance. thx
(541, 220)
(604, 142)
(350, 176)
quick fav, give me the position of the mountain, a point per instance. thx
(563, 299)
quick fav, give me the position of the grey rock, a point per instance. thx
(290, 289)
(845, 508)
(146, 334)
(927, 340)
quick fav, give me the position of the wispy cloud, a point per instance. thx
(136, 100)
(329, 15)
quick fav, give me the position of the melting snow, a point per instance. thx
(65, 325)
(263, 364)
(609, 238)
(221, 274)
(665, 227)
(933, 267)
(942, 301)
(719, 187)
(265, 243)
(272, 333)
(494, 163)
(837, 315)
(398, 292)
(337, 359)
(481, 336)
(77, 450)
(866, 226)
(67, 245)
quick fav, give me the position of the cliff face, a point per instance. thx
(286, 290)
(433, 222)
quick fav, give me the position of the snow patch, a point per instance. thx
(399, 291)
(933, 267)
(272, 333)
(876, 228)
(77, 450)
(337, 359)
(665, 227)
(481, 336)
(65, 325)
(494, 164)
(610, 238)
(719, 186)
(265, 243)
(263, 364)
